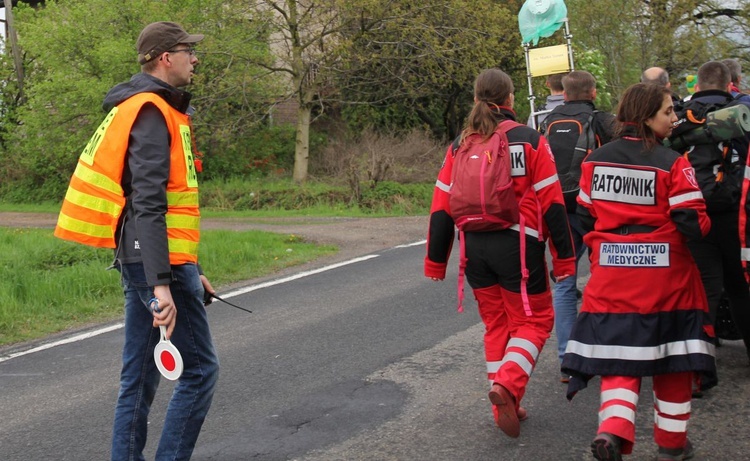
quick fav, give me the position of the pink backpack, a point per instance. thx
(482, 197)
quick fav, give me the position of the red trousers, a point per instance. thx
(512, 339)
(672, 394)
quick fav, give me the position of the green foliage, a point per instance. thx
(417, 68)
(678, 35)
(73, 57)
(392, 66)
(593, 61)
(267, 151)
(387, 196)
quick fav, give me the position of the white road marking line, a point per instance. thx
(271, 283)
(72, 339)
(231, 294)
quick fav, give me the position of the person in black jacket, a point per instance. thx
(718, 254)
(570, 149)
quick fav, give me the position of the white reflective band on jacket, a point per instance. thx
(629, 353)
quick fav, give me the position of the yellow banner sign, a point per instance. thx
(548, 60)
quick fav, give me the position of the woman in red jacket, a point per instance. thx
(644, 310)
(516, 310)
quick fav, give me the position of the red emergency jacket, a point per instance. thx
(644, 310)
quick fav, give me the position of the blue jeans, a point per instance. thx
(565, 299)
(139, 377)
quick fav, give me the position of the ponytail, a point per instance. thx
(492, 88)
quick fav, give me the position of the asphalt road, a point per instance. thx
(367, 361)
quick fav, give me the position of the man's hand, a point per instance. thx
(167, 314)
(209, 290)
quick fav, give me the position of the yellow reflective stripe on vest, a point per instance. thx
(93, 203)
(82, 227)
(87, 156)
(99, 180)
(183, 246)
(176, 221)
(187, 150)
(182, 198)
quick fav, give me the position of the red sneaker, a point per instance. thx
(507, 418)
(520, 412)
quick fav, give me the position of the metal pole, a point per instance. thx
(568, 36)
(532, 98)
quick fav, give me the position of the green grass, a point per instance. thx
(48, 285)
(46, 207)
(269, 198)
(237, 197)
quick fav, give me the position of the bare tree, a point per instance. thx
(306, 40)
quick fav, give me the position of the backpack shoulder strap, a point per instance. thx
(587, 140)
(456, 144)
(507, 125)
(551, 117)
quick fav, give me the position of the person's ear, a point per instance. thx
(165, 57)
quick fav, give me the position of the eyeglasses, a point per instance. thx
(190, 51)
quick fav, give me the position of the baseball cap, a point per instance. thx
(158, 37)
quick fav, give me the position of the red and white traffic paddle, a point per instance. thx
(167, 357)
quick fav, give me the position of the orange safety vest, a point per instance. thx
(95, 199)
